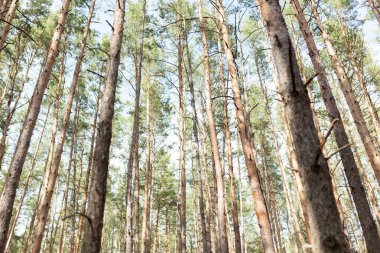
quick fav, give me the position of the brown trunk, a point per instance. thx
(65, 197)
(227, 133)
(15, 169)
(326, 226)
(43, 209)
(288, 195)
(359, 75)
(181, 88)
(214, 141)
(352, 173)
(26, 183)
(87, 179)
(260, 206)
(136, 206)
(154, 250)
(145, 242)
(133, 152)
(353, 104)
(97, 196)
(8, 23)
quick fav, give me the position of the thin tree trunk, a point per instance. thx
(145, 242)
(133, 152)
(15, 169)
(97, 196)
(26, 183)
(8, 22)
(260, 206)
(181, 88)
(353, 104)
(205, 242)
(359, 75)
(43, 209)
(156, 229)
(326, 227)
(8, 119)
(214, 140)
(234, 211)
(87, 180)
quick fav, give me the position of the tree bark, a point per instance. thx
(227, 132)
(133, 152)
(326, 226)
(87, 179)
(352, 173)
(15, 169)
(97, 196)
(8, 23)
(181, 88)
(353, 104)
(260, 206)
(145, 242)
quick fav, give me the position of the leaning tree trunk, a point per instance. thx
(8, 23)
(98, 189)
(353, 104)
(10, 186)
(326, 226)
(366, 219)
(260, 205)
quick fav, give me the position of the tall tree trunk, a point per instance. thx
(98, 189)
(133, 152)
(367, 221)
(353, 104)
(234, 211)
(15, 168)
(26, 183)
(326, 226)
(181, 116)
(360, 77)
(87, 179)
(288, 195)
(145, 242)
(8, 23)
(214, 140)
(260, 206)
(43, 209)
(206, 244)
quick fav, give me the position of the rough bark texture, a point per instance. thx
(353, 104)
(260, 206)
(97, 196)
(15, 168)
(375, 9)
(325, 223)
(367, 221)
